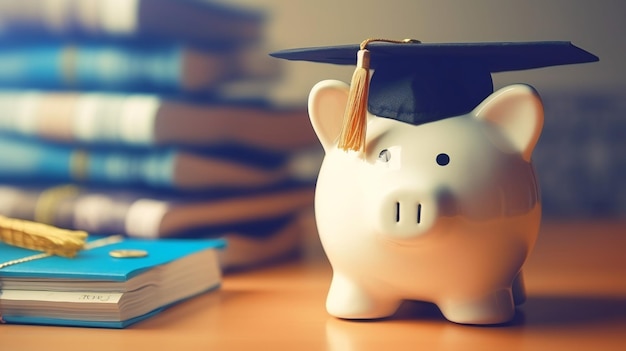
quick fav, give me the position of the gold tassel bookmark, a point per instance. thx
(354, 127)
(41, 237)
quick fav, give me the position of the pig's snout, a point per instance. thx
(406, 214)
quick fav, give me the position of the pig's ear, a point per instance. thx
(327, 103)
(518, 112)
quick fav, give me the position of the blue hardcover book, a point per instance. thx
(56, 65)
(149, 120)
(126, 66)
(114, 282)
(198, 21)
(165, 168)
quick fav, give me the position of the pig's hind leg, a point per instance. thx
(494, 308)
(519, 289)
(349, 300)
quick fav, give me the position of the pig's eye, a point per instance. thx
(443, 159)
(384, 155)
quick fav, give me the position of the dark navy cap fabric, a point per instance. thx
(422, 82)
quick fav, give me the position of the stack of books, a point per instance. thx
(118, 117)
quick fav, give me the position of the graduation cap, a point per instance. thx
(417, 82)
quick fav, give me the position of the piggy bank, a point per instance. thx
(444, 212)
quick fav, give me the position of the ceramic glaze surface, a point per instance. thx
(444, 212)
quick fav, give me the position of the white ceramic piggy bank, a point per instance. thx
(444, 212)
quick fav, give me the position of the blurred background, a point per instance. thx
(581, 157)
(168, 118)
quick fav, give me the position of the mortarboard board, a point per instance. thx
(418, 82)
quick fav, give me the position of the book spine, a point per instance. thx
(92, 118)
(28, 159)
(201, 22)
(154, 169)
(115, 119)
(119, 17)
(100, 213)
(67, 206)
(108, 67)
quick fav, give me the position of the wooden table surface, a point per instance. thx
(576, 284)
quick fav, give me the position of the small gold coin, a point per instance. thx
(128, 253)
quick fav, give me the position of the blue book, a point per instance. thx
(147, 120)
(126, 66)
(174, 168)
(196, 21)
(113, 283)
(153, 214)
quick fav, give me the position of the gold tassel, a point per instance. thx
(41, 237)
(352, 136)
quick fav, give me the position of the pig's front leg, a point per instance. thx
(350, 300)
(493, 308)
